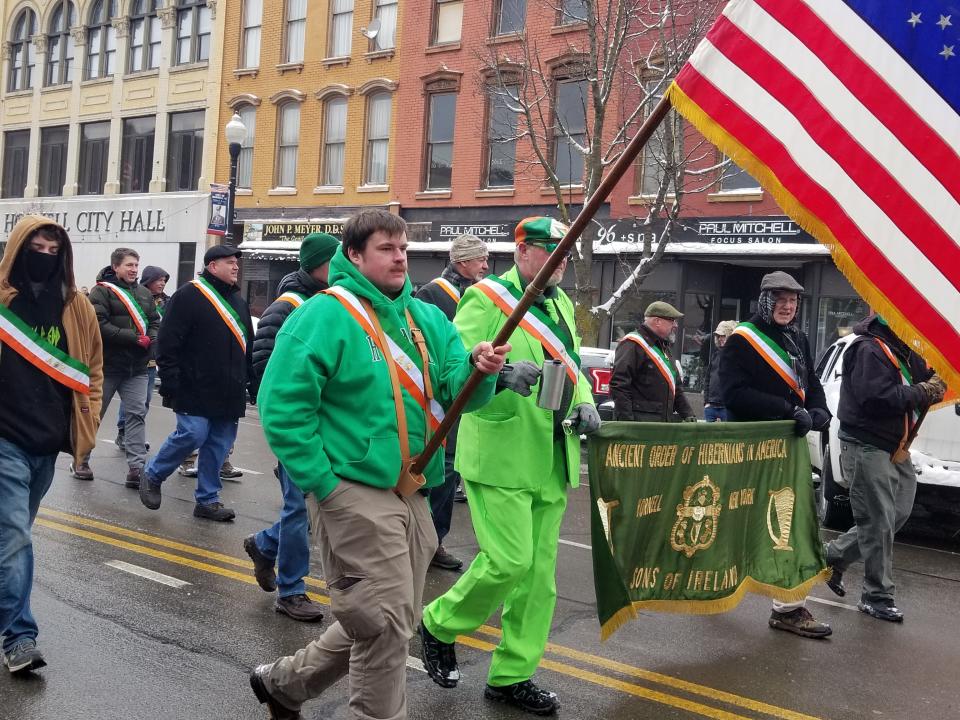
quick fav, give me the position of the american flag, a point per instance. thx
(848, 112)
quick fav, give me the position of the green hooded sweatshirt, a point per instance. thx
(326, 401)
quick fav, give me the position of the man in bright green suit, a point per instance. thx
(517, 460)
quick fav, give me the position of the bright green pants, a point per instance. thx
(517, 531)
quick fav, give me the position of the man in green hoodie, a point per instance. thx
(328, 409)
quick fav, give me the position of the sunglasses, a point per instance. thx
(550, 247)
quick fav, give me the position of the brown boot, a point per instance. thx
(299, 607)
(133, 478)
(800, 622)
(81, 471)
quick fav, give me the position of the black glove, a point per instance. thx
(821, 419)
(584, 419)
(803, 421)
(520, 377)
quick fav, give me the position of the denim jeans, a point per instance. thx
(285, 542)
(715, 414)
(151, 382)
(24, 480)
(214, 437)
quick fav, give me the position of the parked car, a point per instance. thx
(935, 454)
(597, 365)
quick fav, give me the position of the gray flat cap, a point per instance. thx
(780, 280)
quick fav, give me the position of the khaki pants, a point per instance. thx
(375, 548)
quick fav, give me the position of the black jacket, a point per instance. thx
(752, 390)
(874, 402)
(274, 316)
(712, 394)
(436, 295)
(121, 353)
(204, 371)
(638, 390)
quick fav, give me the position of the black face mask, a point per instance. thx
(41, 266)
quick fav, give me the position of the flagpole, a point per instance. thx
(536, 287)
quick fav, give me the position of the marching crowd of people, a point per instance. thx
(352, 372)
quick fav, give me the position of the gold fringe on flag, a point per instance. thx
(880, 303)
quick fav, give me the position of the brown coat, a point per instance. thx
(79, 325)
(638, 390)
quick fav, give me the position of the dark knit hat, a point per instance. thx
(317, 249)
(151, 273)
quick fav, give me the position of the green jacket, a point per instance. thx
(326, 401)
(509, 442)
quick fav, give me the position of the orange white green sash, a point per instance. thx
(224, 310)
(536, 322)
(43, 355)
(774, 355)
(295, 299)
(906, 377)
(657, 357)
(129, 302)
(411, 378)
(449, 288)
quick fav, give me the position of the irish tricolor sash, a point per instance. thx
(126, 297)
(906, 377)
(295, 299)
(411, 378)
(774, 355)
(556, 342)
(224, 310)
(449, 288)
(657, 357)
(43, 355)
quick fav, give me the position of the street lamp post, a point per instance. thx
(236, 133)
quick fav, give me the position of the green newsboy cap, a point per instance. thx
(662, 309)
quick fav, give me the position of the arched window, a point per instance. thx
(248, 116)
(379, 106)
(144, 36)
(101, 40)
(288, 144)
(23, 57)
(193, 31)
(334, 140)
(60, 44)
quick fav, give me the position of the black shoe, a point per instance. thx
(133, 478)
(800, 622)
(149, 492)
(213, 511)
(444, 560)
(439, 659)
(299, 607)
(119, 440)
(262, 566)
(276, 710)
(881, 610)
(835, 582)
(460, 496)
(526, 696)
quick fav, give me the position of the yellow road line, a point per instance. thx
(562, 668)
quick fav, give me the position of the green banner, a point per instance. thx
(687, 517)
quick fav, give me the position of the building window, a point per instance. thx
(94, 150)
(60, 45)
(296, 30)
(250, 45)
(144, 36)
(334, 141)
(101, 40)
(185, 151)
(442, 118)
(386, 13)
(502, 136)
(136, 154)
(570, 130)
(53, 160)
(193, 31)
(737, 180)
(341, 27)
(186, 262)
(248, 116)
(653, 160)
(378, 138)
(16, 148)
(448, 22)
(288, 145)
(574, 11)
(509, 16)
(23, 55)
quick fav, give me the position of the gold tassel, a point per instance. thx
(899, 322)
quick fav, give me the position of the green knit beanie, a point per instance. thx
(317, 249)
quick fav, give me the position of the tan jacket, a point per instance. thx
(81, 328)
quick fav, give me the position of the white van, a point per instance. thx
(935, 453)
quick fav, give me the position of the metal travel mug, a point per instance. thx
(551, 385)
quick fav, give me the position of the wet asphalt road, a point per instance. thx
(123, 646)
